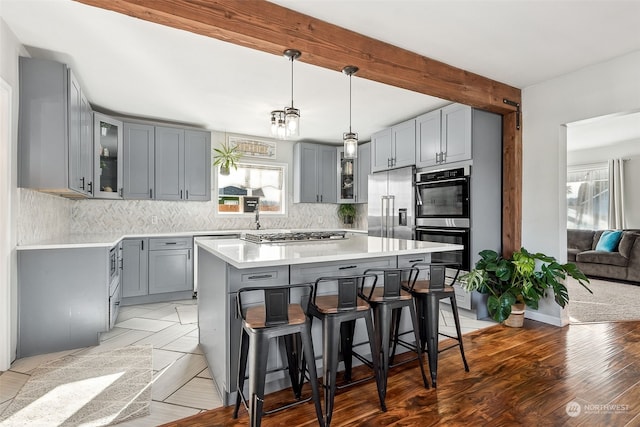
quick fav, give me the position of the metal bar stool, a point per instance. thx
(384, 300)
(275, 316)
(338, 313)
(428, 293)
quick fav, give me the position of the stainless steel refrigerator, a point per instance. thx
(391, 204)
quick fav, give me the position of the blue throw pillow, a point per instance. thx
(609, 241)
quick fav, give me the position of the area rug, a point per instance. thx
(187, 313)
(86, 390)
(610, 301)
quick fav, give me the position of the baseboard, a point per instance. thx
(545, 318)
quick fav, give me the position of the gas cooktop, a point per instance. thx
(294, 236)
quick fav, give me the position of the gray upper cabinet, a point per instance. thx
(197, 169)
(108, 148)
(169, 163)
(138, 161)
(381, 150)
(52, 148)
(363, 169)
(86, 147)
(403, 144)
(444, 136)
(314, 173)
(394, 147)
(182, 164)
(135, 267)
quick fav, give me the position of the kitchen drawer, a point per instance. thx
(163, 243)
(307, 273)
(263, 276)
(409, 260)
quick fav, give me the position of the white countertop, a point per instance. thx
(109, 240)
(243, 254)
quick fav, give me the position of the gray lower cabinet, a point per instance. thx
(64, 298)
(135, 267)
(138, 161)
(54, 130)
(314, 173)
(157, 269)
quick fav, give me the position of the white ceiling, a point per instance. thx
(138, 68)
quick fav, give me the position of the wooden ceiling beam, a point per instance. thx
(268, 27)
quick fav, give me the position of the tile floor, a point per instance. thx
(182, 383)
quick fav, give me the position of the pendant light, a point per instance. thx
(350, 139)
(291, 114)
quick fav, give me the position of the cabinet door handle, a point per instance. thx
(151, 193)
(443, 156)
(170, 243)
(348, 267)
(189, 254)
(416, 260)
(187, 194)
(82, 183)
(142, 245)
(261, 276)
(321, 198)
(120, 191)
(317, 198)
(117, 303)
(91, 187)
(180, 194)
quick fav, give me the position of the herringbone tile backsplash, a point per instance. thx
(135, 216)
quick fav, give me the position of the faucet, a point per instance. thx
(258, 215)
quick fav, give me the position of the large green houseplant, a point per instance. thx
(523, 278)
(226, 156)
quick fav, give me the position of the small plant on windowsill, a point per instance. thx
(226, 157)
(347, 213)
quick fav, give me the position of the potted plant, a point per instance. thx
(347, 213)
(519, 281)
(226, 157)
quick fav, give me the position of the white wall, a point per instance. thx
(629, 150)
(10, 49)
(602, 89)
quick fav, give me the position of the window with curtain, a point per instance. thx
(249, 181)
(588, 196)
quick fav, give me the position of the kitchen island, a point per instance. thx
(226, 265)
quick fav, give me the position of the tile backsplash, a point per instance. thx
(146, 216)
(42, 216)
(45, 217)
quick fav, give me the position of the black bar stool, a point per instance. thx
(338, 313)
(385, 300)
(276, 316)
(427, 294)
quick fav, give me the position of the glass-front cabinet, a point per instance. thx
(347, 173)
(108, 157)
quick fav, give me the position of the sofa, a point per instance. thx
(622, 263)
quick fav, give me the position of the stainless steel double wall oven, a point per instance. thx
(442, 211)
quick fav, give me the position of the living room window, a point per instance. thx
(237, 191)
(588, 196)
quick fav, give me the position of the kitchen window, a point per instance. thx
(588, 196)
(238, 189)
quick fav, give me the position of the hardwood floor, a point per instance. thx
(530, 376)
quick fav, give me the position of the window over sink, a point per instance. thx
(250, 180)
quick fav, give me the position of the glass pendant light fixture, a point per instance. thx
(277, 124)
(291, 114)
(350, 138)
(286, 122)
